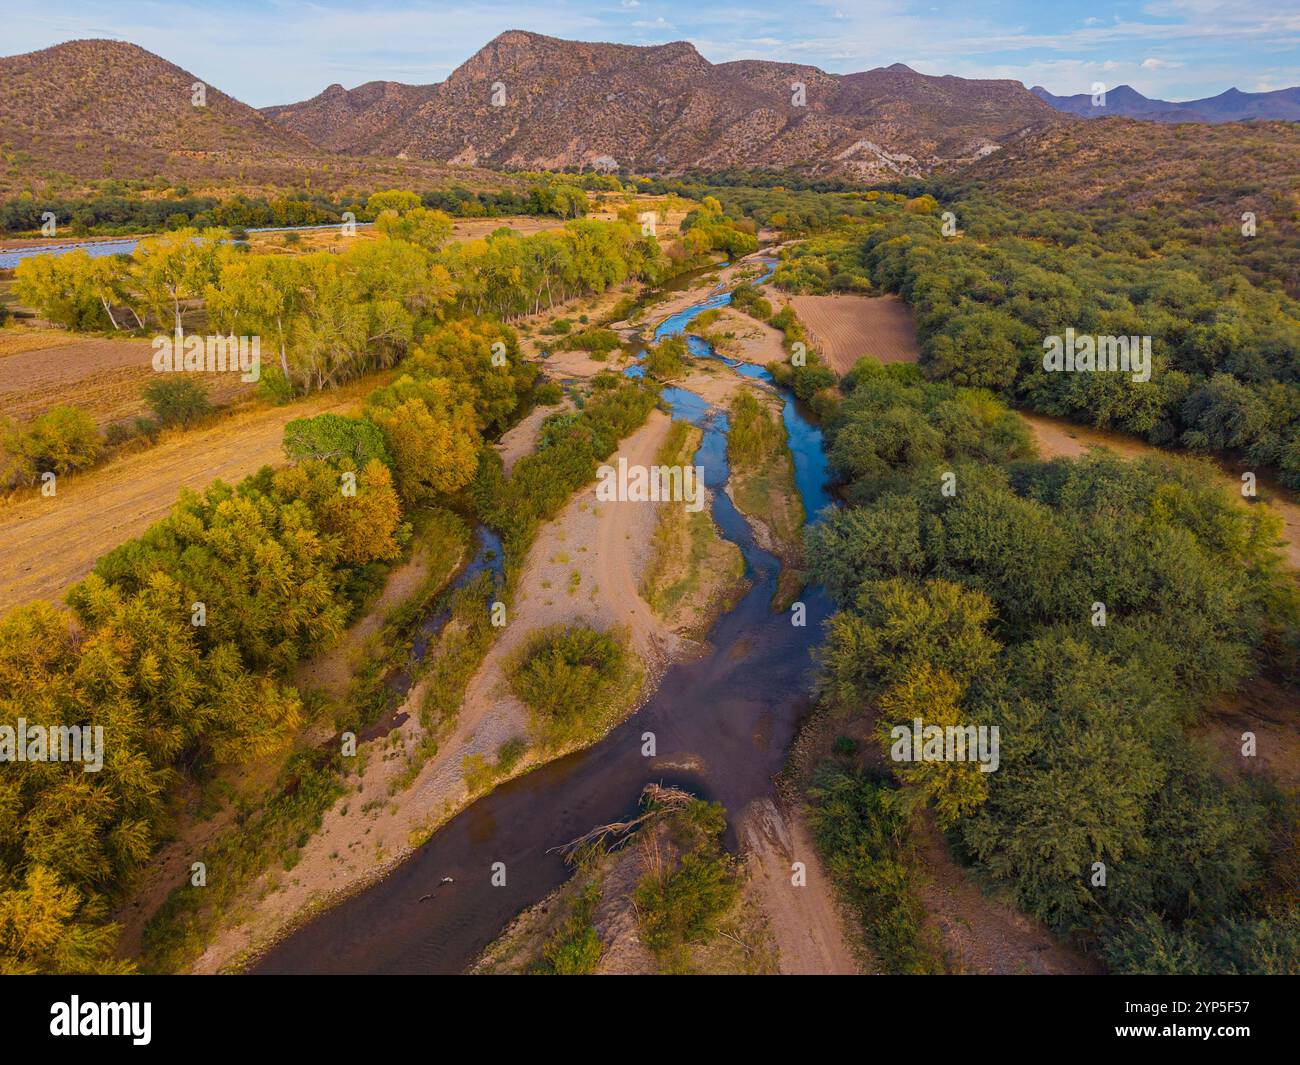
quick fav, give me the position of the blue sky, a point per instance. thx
(288, 50)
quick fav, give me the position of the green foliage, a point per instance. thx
(599, 342)
(975, 608)
(667, 360)
(1221, 379)
(570, 446)
(61, 440)
(177, 401)
(574, 948)
(863, 831)
(681, 902)
(334, 438)
(575, 679)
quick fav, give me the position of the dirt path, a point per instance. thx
(982, 934)
(1058, 438)
(521, 439)
(846, 327)
(48, 544)
(371, 830)
(804, 921)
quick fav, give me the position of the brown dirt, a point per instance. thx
(982, 934)
(48, 544)
(39, 368)
(1267, 709)
(753, 341)
(804, 922)
(521, 439)
(845, 328)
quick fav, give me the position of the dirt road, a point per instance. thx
(803, 921)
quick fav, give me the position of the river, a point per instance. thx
(722, 723)
(99, 249)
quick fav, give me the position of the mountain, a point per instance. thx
(121, 93)
(667, 108)
(1128, 176)
(1231, 106)
(87, 110)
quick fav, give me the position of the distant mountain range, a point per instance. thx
(90, 110)
(1124, 101)
(563, 104)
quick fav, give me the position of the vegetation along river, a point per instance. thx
(723, 724)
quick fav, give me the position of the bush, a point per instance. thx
(176, 400)
(61, 440)
(682, 902)
(333, 437)
(666, 361)
(572, 678)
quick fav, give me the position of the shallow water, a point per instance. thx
(722, 726)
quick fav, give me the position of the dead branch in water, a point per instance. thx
(655, 798)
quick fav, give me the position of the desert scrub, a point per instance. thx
(576, 680)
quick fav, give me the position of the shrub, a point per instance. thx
(176, 400)
(61, 440)
(572, 678)
(334, 437)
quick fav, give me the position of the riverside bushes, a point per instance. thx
(570, 446)
(575, 679)
(1092, 610)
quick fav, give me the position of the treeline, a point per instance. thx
(1223, 373)
(1091, 610)
(114, 212)
(327, 318)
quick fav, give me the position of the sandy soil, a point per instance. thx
(754, 341)
(102, 377)
(804, 922)
(606, 545)
(48, 544)
(1058, 438)
(846, 327)
(980, 933)
(521, 439)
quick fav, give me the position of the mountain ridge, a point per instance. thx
(666, 108)
(1231, 105)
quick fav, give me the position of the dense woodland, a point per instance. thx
(980, 606)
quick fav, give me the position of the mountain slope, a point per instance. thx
(665, 108)
(1124, 101)
(84, 111)
(120, 92)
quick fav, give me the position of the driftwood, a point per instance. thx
(655, 799)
